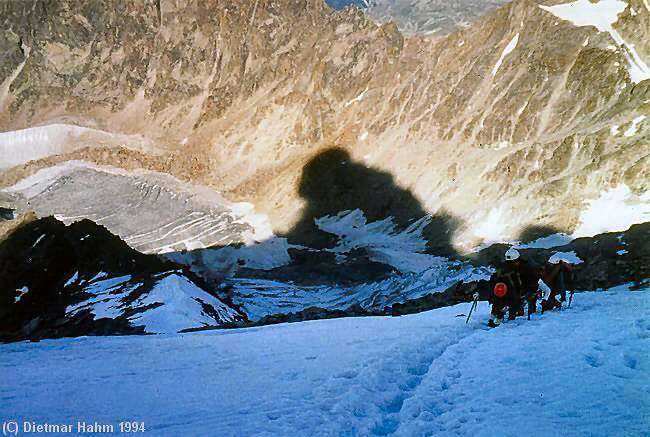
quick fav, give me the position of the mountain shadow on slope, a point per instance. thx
(533, 232)
(333, 182)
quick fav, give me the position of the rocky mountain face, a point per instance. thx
(240, 98)
(286, 141)
(58, 281)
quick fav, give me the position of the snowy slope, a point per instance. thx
(624, 209)
(181, 304)
(174, 303)
(582, 371)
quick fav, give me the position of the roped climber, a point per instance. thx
(516, 282)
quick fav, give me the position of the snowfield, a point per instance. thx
(21, 146)
(172, 304)
(581, 371)
(602, 15)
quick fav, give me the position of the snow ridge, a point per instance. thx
(174, 303)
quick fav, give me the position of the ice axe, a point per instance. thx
(474, 303)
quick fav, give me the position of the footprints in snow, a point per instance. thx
(601, 355)
(630, 361)
(348, 374)
(643, 328)
(593, 360)
(416, 373)
(374, 393)
(420, 369)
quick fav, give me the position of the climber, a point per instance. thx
(520, 282)
(503, 296)
(558, 274)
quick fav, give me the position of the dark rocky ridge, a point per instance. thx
(39, 258)
(43, 254)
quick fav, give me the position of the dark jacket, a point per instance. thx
(523, 274)
(559, 277)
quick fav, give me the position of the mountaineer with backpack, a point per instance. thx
(516, 282)
(558, 274)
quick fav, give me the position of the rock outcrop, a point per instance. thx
(62, 281)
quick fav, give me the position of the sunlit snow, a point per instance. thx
(509, 48)
(602, 15)
(615, 210)
(569, 257)
(492, 228)
(623, 209)
(632, 129)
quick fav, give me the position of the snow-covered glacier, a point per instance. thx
(580, 371)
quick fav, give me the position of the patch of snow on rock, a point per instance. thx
(569, 257)
(23, 291)
(72, 280)
(547, 242)
(106, 300)
(615, 210)
(38, 241)
(632, 129)
(509, 48)
(602, 15)
(357, 98)
(385, 242)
